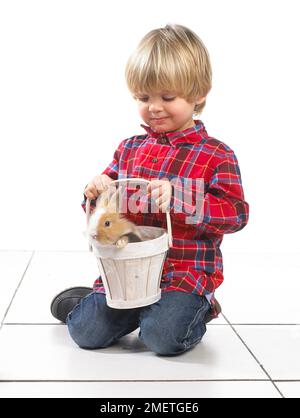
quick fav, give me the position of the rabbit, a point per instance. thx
(108, 226)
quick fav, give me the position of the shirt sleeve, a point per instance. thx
(112, 170)
(222, 205)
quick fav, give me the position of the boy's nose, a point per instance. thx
(155, 107)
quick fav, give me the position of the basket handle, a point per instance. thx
(88, 215)
(169, 226)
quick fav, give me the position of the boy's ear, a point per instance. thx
(200, 100)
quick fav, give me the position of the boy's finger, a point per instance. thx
(90, 190)
(89, 195)
(149, 188)
(98, 186)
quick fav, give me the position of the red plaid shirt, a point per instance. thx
(194, 262)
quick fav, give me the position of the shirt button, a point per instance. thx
(154, 160)
(163, 140)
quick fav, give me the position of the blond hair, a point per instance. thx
(174, 59)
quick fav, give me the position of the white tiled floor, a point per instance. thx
(262, 288)
(253, 355)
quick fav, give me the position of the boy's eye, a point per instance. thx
(169, 99)
(143, 99)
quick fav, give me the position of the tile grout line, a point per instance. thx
(15, 292)
(287, 380)
(253, 355)
(127, 380)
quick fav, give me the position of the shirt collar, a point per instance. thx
(192, 135)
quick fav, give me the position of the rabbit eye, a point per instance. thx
(107, 223)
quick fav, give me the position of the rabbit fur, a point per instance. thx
(107, 226)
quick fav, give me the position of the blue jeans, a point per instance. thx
(170, 326)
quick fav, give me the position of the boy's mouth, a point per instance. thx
(159, 119)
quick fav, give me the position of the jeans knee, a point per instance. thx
(159, 340)
(84, 334)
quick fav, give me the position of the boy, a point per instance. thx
(169, 76)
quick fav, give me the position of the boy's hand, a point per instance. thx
(97, 186)
(161, 192)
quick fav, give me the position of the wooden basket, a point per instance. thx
(131, 276)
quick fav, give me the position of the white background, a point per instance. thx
(64, 108)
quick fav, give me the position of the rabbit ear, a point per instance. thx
(103, 199)
(113, 203)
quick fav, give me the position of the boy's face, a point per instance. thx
(165, 111)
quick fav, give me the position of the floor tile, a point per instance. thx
(169, 390)
(49, 354)
(289, 389)
(261, 288)
(48, 274)
(12, 267)
(219, 321)
(276, 346)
